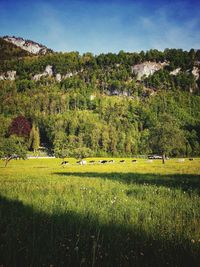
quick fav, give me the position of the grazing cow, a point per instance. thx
(122, 161)
(191, 159)
(181, 160)
(134, 160)
(103, 161)
(154, 157)
(91, 161)
(111, 161)
(82, 162)
(64, 163)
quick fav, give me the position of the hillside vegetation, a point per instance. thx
(98, 102)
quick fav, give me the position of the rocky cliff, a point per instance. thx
(9, 75)
(27, 45)
(147, 68)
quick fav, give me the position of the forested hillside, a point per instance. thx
(109, 103)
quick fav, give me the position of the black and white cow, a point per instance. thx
(103, 161)
(64, 163)
(82, 162)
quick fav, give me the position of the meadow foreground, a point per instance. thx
(117, 214)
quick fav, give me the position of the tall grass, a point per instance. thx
(132, 214)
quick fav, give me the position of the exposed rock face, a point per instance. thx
(118, 93)
(48, 72)
(58, 77)
(175, 72)
(195, 72)
(9, 75)
(30, 46)
(147, 68)
(68, 75)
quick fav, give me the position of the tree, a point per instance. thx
(166, 136)
(20, 126)
(95, 137)
(62, 146)
(34, 140)
(62, 150)
(82, 152)
(11, 148)
(113, 140)
(5, 122)
(105, 139)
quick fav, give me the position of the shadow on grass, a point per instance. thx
(32, 238)
(186, 182)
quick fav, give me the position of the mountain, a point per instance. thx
(10, 51)
(27, 45)
(108, 102)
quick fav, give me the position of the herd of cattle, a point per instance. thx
(84, 162)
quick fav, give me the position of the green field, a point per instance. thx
(131, 214)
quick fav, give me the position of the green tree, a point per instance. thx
(82, 152)
(34, 139)
(62, 150)
(167, 137)
(95, 137)
(105, 139)
(113, 140)
(62, 145)
(121, 143)
(11, 148)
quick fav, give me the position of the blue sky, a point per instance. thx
(103, 26)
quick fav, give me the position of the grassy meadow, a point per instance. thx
(117, 214)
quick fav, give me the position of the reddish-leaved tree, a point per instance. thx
(20, 126)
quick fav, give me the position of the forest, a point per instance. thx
(97, 102)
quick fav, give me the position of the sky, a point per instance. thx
(103, 26)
